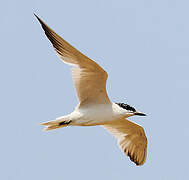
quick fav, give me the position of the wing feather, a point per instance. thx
(131, 139)
(89, 78)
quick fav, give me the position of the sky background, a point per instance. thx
(142, 44)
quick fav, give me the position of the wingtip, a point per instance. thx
(35, 15)
(38, 18)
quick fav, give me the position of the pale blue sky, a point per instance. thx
(142, 44)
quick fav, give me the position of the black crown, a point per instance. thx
(126, 106)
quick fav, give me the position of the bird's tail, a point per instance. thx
(55, 124)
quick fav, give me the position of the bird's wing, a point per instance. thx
(89, 78)
(131, 139)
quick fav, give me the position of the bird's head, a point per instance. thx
(129, 110)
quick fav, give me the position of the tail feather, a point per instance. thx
(55, 124)
(51, 127)
(50, 122)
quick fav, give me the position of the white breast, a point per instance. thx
(96, 114)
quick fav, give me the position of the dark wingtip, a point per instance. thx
(38, 18)
(44, 26)
(36, 15)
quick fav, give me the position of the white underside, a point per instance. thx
(92, 115)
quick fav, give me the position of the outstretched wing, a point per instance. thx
(89, 78)
(131, 139)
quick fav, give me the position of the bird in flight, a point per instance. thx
(95, 107)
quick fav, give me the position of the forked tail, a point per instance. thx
(55, 124)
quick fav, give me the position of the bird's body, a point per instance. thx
(95, 114)
(95, 107)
